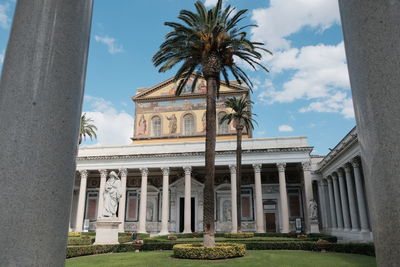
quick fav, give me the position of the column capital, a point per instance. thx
(334, 177)
(84, 174)
(188, 170)
(306, 165)
(103, 173)
(281, 166)
(347, 168)
(257, 167)
(144, 171)
(165, 171)
(232, 168)
(355, 163)
(339, 172)
(123, 171)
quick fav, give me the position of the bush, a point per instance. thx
(124, 239)
(198, 251)
(172, 237)
(80, 241)
(74, 234)
(239, 235)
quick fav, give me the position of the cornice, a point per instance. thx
(189, 154)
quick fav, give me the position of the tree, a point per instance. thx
(207, 44)
(86, 129)
(242, 118)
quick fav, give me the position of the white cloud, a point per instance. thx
(210, 3)
(111, 44)
(284, 18)
(2, 57)
(113, 127)
(336, 103)
(285, 128)
(4, 19)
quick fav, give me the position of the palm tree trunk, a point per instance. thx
(239, 131)
(208, 213)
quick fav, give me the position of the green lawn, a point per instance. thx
(270, 258)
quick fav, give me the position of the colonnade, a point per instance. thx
(342, 199)
(259, 211)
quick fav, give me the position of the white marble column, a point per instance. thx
(338, 205)
(143, 201)
(326, 207)
(343, 200)
(80, 213)
(307, 191)
(232, 169)
(259, 202)
(362, 209)
(283, 197)
(123, 172)
(165, 202)
(103, 179)
(322, 210)
(188, 199)
(355, 225)
(332, 206)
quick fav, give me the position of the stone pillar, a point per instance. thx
(259, 202)
(326, 207)
(188, 199)
(103, 179)
(143, 201)
(80, 211)
(372, 41)
(41, 88)
(362, 209)
(321, 205)
(307, 191)
(332, 205)
(234, 229)
(355, 226)
(122, 201)
(343, 200)
(283, 197)
(165, 202)
(338, 205)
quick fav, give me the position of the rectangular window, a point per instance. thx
(294, 205)
(247, 204)
(132, 206)
(91, 205)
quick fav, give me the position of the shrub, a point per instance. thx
(80, 241)
(239, 235)
(124, 238)
(172, 237)
(219, 251)
(74, 234)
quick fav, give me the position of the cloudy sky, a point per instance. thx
(306, 93)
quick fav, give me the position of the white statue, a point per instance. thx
(227, 211)
(112, 194)
(149, 212)
(312, 207)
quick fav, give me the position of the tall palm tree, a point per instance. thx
(242, 118)
(206, 43)
(87, 129)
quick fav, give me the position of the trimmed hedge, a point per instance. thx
(80, 241)
(219, 251)
(239, 235)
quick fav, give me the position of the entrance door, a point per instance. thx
(182, 214)
(270, 224)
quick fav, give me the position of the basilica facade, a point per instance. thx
(162, 174)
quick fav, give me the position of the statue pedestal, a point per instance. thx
(107, 231)
(314, 227)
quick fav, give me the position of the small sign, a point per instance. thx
(86, 225)
(298, 225)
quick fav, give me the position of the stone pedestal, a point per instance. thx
(314, 227)
(107, 231)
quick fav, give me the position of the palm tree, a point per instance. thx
(242, 118)
(87, 129)
(206, 44)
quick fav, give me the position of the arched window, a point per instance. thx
(222, 127)
(156, 126)
(188, 124)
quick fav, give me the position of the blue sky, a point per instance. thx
(306, 93)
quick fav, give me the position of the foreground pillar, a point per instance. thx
(283, 197)
(165, 202)
(188, 200)
(143, 201)
(41, 88)
(372, 40)
(234, 218)
(343, 200)
(80, 212)
(259, 202)
(122, 201)
(103, 179)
